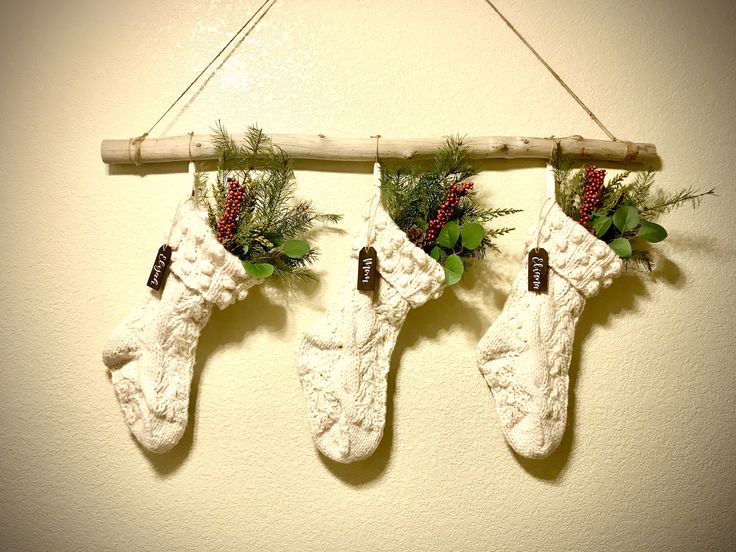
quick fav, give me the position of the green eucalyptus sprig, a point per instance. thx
(438, 211)
(252, 209)
(623, 211)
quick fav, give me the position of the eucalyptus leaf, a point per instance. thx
(258, 270)
(472, 234)
(453, 269)
(449, 235)
(626, 218)
(600, 225)
(651, 232)
(435, 253)
(295, 248)
(622, 247)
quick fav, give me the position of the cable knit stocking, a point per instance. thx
(151, 353)
(525, 355)
(344, 360)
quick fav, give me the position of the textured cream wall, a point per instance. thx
(648, 459)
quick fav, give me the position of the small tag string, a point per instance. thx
(542, 219)
(173, 223)
(175, 220)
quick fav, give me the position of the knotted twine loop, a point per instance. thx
(375, 202)
(632, 152)
(551, 194)
(135, 143)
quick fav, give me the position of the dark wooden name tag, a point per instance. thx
(367, 263)
(160, 267)
(538, 270)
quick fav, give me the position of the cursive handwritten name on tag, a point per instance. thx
(367, 264)
(160, 267)
(538, 270)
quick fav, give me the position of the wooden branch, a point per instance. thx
(298, 146)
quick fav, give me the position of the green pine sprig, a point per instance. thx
(413, 198)
(271, 222)
(626, 214)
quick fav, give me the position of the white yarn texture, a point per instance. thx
(343, 361)
(150, 355)
(525, 354)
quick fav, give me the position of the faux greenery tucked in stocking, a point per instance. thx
(621, 212)
(438, 211)
(252, 208)
(252, 229)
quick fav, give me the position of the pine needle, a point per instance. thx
(270, 214)
(638, 193)
(413, 197)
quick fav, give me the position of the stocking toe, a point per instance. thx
(334, 444)
(528, 438)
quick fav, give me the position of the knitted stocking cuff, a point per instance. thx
(415, 275)
(203, 264)
(585, 261)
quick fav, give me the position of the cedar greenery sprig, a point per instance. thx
(437, 209)
(252, 209)
(622, 212)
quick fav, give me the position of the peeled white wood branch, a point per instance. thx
(319, 147)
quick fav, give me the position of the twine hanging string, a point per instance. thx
(138, 140)
(555, 75)
(134, 144)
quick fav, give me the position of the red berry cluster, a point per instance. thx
(233, 205)
(592, 198)
(447, 209)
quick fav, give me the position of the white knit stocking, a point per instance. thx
(525, 354)
(151, 353)
(344, 360)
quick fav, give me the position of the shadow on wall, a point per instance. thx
(621, 297)
(359, 167)
(231, 325)
(427, 322)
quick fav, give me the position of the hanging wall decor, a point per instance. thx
(423, 233)
(585, 238)
(225, 239)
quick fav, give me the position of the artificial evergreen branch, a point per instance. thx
(437, 209)
(252, 209)
(664, 203)
(620, 213)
